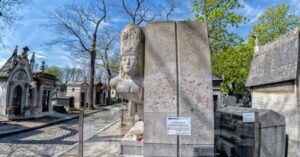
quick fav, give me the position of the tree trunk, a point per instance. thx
(91, 82)
(109, 78)
(109, 101)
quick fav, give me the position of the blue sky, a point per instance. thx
(30, 32)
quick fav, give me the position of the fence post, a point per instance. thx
(122, 118)
(81, 118)
(256, 135)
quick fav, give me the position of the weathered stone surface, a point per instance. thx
(271, 144)
(195, 95)
(202, 129)
(276, 61)
(129, 145)
(160, 88)
(160, 67)
(177, 50)
(271, 131)
(129, 82)
(193, 50)
(155, 128)
(195, 82)
(159, 149)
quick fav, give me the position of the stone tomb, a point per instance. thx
(178, 83)
(23, 92)
(240, 133)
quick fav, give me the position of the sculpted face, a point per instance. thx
(128, 63)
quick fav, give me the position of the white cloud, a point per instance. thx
(40, 54)
(2, 61)
(250, 12)
(296, 5)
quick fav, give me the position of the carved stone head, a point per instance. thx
(132, 51)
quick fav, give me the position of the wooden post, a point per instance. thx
(122, 118)
(256, 136)
(81, 118)
(133, 120)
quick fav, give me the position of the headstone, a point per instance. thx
(178, 83)
(230, 101)
(238, 133)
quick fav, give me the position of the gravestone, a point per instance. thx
(177, 83)
(240, 133)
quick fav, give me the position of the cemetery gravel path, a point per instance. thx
(48, 141)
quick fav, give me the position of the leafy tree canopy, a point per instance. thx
(220, 17)
(274, 22)
(233, 64)
(54, 70)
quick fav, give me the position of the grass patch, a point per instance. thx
(76, 111)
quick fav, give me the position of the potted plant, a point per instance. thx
(139, 137)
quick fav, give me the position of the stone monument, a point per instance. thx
(174, 100)
(178, 89)
(129, 83)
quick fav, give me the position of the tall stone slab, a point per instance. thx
(177, 84)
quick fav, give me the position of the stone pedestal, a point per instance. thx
(178, 83)
(129, 144)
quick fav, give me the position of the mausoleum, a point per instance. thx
(274, 81)
(78, 90)
(23, 93)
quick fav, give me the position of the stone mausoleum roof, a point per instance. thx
(276, 61)
(7, 67)
(76, 83)
(13, 61)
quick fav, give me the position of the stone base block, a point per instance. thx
(129, 144)
(170, 150)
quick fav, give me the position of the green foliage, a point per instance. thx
(234, 65)
(234, 61)
(274, 22)
(220, 17)
(54, 70)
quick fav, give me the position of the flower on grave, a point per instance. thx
(139, 136)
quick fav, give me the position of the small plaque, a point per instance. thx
(179, 125)
(249, 117)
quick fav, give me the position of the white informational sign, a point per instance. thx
(179, 125)
(248, 117)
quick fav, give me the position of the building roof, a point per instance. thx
(216, 78)
(76, 83)
(41, 75)
(6, 69)
(276, 61)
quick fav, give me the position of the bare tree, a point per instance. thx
(106, 45)
(170, 9)
(67, 74)
(78, 27)
(138, 11)
(8, 9)
(9, 13)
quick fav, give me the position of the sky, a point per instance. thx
(30, 31)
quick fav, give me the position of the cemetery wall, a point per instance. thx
(281, 98)
(3, 88)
